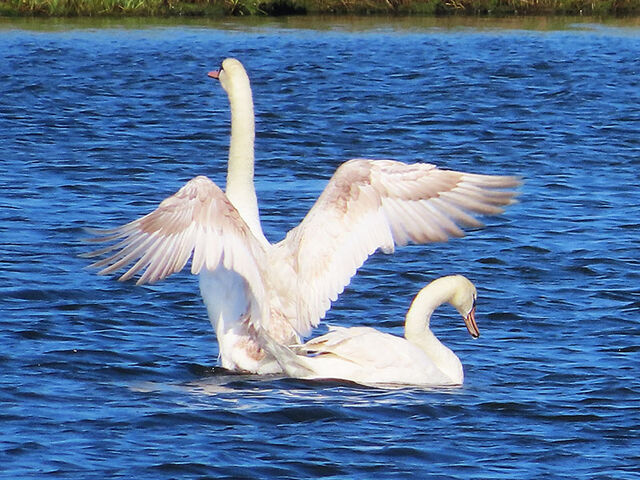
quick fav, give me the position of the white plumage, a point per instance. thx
(283, 290)
(367, 356)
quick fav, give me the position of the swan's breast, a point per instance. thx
(226, 296)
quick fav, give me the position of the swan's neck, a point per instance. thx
(418, 331)
(240, 188)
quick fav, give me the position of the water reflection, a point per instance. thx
(328, 23)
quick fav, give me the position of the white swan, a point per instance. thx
(367, 356)
(252, 288)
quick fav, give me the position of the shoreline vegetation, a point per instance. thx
(221, 8)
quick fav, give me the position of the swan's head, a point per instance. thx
(464, 301)
(233, 77)
(455, 290)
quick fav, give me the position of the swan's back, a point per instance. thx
(367, 356)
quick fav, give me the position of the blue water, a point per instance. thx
(101, 379)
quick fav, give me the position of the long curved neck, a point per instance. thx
(417, 328)
(240, 188)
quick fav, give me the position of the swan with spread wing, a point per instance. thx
(253, 288)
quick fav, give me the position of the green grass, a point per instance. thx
(79, 8)
(216, 8)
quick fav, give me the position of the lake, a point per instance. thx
(100, 121)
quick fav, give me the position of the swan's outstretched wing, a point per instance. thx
(377, 204)
(197, 222)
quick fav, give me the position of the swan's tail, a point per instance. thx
(292, 365)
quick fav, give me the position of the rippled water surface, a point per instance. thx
(101, 379)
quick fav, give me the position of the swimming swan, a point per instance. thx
(252, 288)
(367, 356)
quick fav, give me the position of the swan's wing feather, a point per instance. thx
(377, 204)
(197, 222)
(362, 346)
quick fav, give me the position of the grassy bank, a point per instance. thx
(70, 8)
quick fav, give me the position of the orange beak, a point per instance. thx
(470, 322)
(214, 74)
